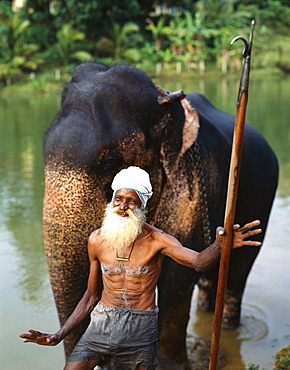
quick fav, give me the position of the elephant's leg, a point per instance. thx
(172, 339)
(232, 304)
(232, 309)
(237, 277)
(174, 299)
(206, 294)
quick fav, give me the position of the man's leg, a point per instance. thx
(81, 365)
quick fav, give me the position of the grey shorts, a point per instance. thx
(129, 336)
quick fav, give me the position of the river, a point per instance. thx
(25, 293)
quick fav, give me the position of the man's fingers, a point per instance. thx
(26, 336)
(34, 332)
(246, 229)
(36, 337)
(250, 225)
(252, 243)
(253, 232)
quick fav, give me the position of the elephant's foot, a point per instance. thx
(169, 364)
(206, 302)
(231, 313)
(206, 295)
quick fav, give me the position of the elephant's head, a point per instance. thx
(110, 118)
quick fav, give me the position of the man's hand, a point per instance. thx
(241, 233)
(41, 338)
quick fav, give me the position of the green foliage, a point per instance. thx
(43, 32)
(253, 367)
(282, 359)
(119, 35)
(14, 30)
(94, 17)
(121, 44)
(17, 56)
(187, 35)
(68, 44)
(195, 38)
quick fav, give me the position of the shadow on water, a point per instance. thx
(25, 293)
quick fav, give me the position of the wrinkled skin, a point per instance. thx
(111, 119)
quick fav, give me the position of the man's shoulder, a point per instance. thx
(153, 232)
(95, 233)
(160, 239)
(95, 236)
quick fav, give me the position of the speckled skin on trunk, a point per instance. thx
(112, 118)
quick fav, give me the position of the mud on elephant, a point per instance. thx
(112, 118)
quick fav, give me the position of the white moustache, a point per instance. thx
(128, 212)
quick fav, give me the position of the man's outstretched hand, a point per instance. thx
(40, 338)
(241, 233)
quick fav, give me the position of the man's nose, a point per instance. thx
(123, 206)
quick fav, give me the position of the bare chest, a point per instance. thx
(120, 268)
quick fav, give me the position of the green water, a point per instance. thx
(25, 294)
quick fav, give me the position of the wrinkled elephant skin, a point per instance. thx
(112, 118)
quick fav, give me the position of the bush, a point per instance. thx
(282, 359)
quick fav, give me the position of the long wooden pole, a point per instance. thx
(232, 193)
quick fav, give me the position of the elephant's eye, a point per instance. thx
(111, 163)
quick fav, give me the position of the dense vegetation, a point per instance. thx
(174, 37)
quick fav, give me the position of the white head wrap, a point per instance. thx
(136, 179)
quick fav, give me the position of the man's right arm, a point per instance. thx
(82, 310)
(87, 303)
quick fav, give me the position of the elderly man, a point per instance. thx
(126, 256)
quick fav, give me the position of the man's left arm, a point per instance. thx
(208, 257)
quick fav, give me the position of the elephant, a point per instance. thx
(115, 117)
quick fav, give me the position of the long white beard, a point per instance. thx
(119, 232)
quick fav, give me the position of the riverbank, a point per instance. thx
(55, 80)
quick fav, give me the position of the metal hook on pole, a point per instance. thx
(244, 82)
(231, 201)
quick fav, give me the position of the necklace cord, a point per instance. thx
(126, 259)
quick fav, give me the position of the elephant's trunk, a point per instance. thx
(69, 216)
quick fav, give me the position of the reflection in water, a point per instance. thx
(253, 324)
(24, 283)
(21, 187)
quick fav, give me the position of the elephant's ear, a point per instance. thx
(190, 128)
(171, 125)
(181, 129)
